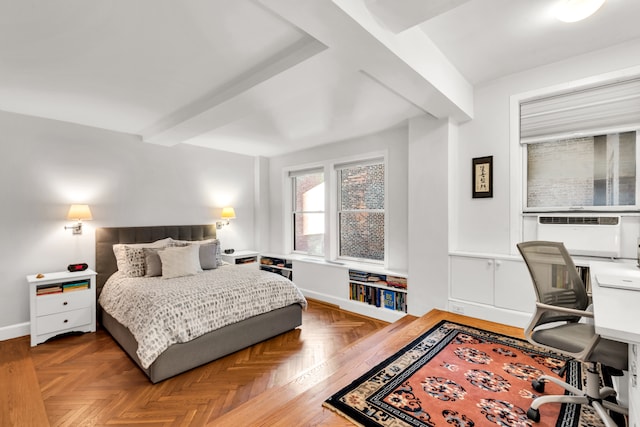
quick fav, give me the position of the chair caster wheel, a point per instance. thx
(538, 386)
(533, 415)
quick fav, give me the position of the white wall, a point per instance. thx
(484, 225)
(46, 165)
(429, 144)
(395, 142)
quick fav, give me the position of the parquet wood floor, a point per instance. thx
(88, 380)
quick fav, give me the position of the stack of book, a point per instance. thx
(78, 285)
(363, 276)
(397, 281)
(379, 297)
(48, 290)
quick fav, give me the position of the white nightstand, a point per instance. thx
(242, 258)
(62, 302)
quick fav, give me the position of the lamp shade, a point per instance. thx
(79, 213)
(228, 213)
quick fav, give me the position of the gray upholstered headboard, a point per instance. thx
(108, 236)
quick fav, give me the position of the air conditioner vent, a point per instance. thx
(583, 235)
(580, 220)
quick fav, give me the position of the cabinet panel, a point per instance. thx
(472, 279)
(63, 321)
(513, 287)
(49, 304)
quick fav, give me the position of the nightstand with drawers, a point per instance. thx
(242, 258)
(60, 303)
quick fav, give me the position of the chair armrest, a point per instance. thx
(541, 309)
(572, 311)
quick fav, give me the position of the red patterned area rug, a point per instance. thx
(456, 375)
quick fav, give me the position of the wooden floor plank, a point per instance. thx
(89, 380)
(292, 404)
(21, 400)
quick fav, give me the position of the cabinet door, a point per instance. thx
(472, 279)
(513, 286)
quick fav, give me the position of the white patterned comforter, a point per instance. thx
(161, 312)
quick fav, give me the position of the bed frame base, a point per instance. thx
(185, 356)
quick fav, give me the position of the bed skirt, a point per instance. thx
(185, 356)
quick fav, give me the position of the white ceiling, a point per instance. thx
(266, 77)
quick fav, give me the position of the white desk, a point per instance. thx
(616, 315)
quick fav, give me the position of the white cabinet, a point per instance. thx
(513, 288)
(490, 282)
(472, 279)
(242, 258)
(61, 302)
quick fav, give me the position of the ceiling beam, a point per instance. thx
(409, 63)
(398, 16)
(213, 109)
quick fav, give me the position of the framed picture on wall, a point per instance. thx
(482, 177)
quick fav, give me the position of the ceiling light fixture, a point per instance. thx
(576, 10)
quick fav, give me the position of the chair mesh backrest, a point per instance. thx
(555, 278)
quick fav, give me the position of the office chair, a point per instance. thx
(561, 302)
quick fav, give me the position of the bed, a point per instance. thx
(179, 357)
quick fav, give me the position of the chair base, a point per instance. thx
(593, 396)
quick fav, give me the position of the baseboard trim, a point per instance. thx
(356, 307)
(14, 331)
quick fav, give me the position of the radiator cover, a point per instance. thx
(583, 235)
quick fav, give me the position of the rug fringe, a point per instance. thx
(342, 414)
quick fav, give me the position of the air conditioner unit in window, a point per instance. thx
(583, 235)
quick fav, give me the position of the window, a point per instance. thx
(361, 210)
(582, 172)
(581, 147)
(308, 211)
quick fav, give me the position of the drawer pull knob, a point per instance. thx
(66, 320)
(65, 303)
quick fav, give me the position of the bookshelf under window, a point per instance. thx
(380, 290)
(277, 265)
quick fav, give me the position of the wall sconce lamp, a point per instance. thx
(227, 214)
(78, 213)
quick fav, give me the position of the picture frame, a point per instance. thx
(482, 172)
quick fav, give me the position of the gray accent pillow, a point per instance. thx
(153, 265)
(208, 256)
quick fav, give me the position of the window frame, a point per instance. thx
(292, 175)
(572, 209)
(359, 163)
(331, 235)
(517, 153)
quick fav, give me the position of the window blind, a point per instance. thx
(302, 172)
(609, 108)
(359, 163)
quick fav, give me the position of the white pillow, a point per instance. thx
(119, 250)
(204, 242)
(180, 261)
